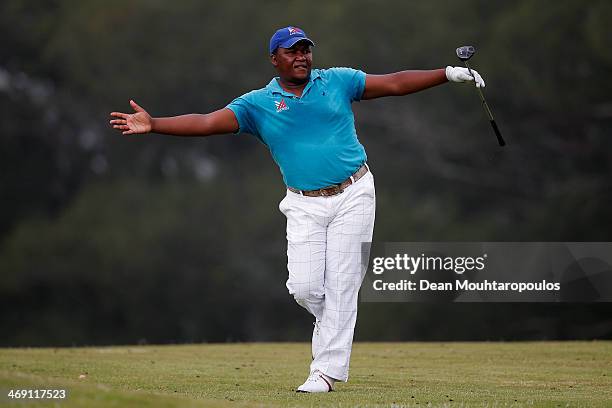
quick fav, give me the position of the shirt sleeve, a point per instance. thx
(352, 80)
(242, 109)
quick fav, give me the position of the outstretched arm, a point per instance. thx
(407, 82)
(214, 123)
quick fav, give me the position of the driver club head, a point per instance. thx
(465, 53)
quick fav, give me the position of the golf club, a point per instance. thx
(464, 54)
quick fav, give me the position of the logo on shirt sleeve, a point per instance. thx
(281, 106)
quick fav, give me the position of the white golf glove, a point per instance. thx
(461, 74)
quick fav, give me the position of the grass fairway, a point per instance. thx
(541, 374)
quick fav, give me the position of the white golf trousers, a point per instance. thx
(326, 264)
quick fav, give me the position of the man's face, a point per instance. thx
(293, 64)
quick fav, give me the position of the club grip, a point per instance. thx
(500, 139)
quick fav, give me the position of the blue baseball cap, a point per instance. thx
(287, 37)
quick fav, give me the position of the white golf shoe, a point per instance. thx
(317, 382)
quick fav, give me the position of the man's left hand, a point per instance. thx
(461, 74)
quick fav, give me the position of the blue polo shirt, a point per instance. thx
(312, 138)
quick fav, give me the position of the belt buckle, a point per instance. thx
(331, 190)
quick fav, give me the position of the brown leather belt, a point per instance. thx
(336, 188)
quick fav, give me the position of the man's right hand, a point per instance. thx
(138, 122)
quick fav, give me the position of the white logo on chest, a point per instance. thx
(281, 106)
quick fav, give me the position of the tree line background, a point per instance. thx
(109, 239)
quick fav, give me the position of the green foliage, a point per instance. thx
(130, 261)
(97, 228)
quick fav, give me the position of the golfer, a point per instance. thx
(304, 117)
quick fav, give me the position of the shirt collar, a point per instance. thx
(275, 88)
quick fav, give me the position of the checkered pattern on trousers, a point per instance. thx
(326, 266)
